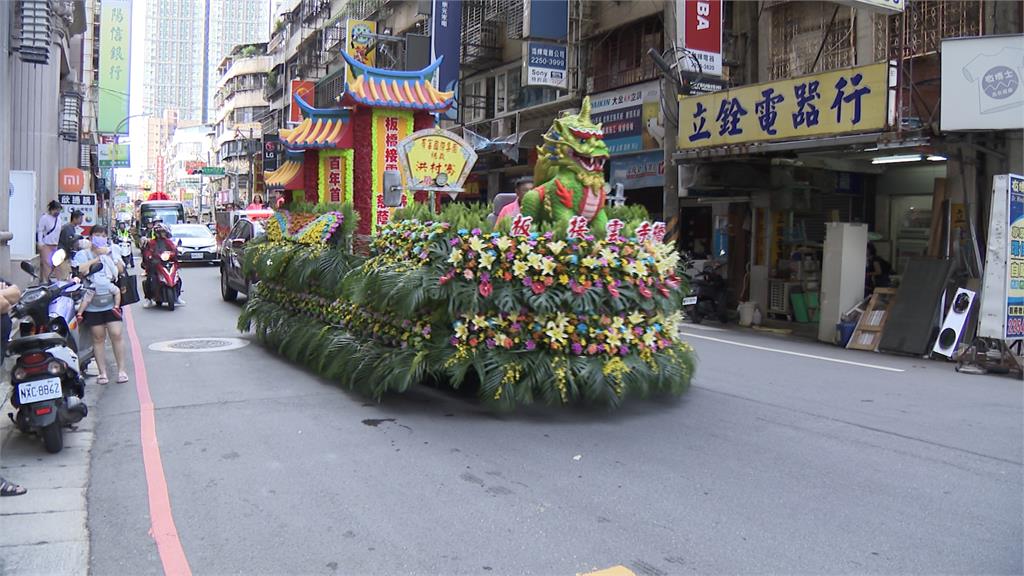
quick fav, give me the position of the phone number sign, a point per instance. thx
(546, 64)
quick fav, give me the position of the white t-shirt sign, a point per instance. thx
(981, 83)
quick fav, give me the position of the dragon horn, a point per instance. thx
(585, 109)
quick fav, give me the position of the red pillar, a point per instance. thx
(311, 175)
(362, 168)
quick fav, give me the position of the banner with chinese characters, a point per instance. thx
(630, 117)
(84, 202)
(699, 25)
(359, 44)
(435, 159)
(114, 66)
(1015, 260)
(842, 101)
(389, 127)
(335, 176)
(446, 42)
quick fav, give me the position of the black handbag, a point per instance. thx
(129, 286)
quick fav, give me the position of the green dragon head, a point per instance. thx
(576, 144)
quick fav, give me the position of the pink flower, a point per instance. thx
(538, 288)
(485, 289)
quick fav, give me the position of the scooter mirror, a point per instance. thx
(58, 257)
(28, 268)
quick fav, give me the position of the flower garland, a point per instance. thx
(539, 262)
(308, 229)
(384, 327)
(571, 334)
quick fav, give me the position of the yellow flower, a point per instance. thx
(455, 257)
(556, 247)
(520, 268)
(476, 243)
(480, 321)
(608, 255)
(636, 318)
(535, 260)
(650, 338)
(525, 248)
(503, 243)
(556, 333)
(548, 267)
(486, 259)
(590, 262)
(563, 279)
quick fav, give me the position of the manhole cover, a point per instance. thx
(199, 345)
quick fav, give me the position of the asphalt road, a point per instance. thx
(771, 463)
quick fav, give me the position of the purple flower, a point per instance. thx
(530, 344)
(576, 348)
(516, 326)
(485, 277)
(623, 350)
(476, 231)
(426, 330)
(527, 281)
(453, 242)
(600, 348)
(490, 342)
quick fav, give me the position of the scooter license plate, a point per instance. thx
(690, 301)
(39, 390)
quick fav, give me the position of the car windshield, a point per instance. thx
(190, 231)
(168, 215)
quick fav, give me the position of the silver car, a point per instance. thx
(195, 243)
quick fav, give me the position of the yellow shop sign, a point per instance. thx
(842, 101)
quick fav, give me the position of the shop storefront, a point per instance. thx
(766, 168)
(634, 128)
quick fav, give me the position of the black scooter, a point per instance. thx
(708, 297)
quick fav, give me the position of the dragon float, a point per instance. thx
(577, 302)
(570, 168)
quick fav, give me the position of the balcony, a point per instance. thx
(611, 80)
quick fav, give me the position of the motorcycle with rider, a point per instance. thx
(162, 284)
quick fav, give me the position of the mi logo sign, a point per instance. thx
(71, 180)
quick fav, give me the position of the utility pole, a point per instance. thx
(670, 196)
(252, 176)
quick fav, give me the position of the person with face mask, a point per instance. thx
(101, 309)
(161, 242)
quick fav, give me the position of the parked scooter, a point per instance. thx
(47, 380)
(166, 285)
(708, 295)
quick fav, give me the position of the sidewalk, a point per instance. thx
(45, 530)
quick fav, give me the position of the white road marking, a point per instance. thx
(791, 353)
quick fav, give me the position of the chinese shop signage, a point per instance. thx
(842, 101)
(435, 160)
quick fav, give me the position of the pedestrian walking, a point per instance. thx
(48, 236)
(102, 313)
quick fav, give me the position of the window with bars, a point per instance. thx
(800, 31)
(922, 26)
(621, 59)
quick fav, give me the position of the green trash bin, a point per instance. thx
(799, 307)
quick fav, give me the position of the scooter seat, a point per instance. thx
(35, 342)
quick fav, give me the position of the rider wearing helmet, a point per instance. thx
(159, 243)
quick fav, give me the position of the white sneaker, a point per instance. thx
(148, 303)
(179, 301)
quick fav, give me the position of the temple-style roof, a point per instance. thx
(320, 128)
(288, 176)
(394, 88)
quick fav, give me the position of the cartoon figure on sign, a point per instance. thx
(570, 170)
(360, 42)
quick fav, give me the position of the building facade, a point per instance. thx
(240, 101)
(42, 128)
(185, 42)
